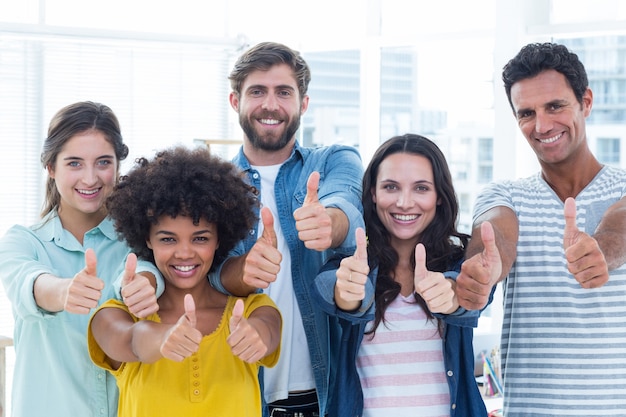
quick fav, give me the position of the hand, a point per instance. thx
(262, 262)
(436, 290)
(584, 258)
(313, 222)
(137, 291)
(244, 340)
(480, 272)
(85, 289)
(352, 275)
(183, 339)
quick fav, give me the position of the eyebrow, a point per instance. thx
(265, 87)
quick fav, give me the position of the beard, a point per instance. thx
(269, 141)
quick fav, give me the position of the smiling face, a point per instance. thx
(84, 173)
(550, 117)
(269, 109)
(183, 251)
(405, 196)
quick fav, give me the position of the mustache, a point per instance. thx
(269, 115)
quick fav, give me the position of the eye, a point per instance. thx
(525, 114)
(285, 93)
(201, 239)
(390, 187)
(105, 162)
(167, 240)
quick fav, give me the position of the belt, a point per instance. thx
(279, 412)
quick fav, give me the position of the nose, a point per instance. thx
(90, 176)
(183, 251)
(543, 122)
(270, 103)
(404, 199)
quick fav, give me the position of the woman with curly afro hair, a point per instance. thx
(200, 354)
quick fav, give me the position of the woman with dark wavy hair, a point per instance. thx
(407, 346)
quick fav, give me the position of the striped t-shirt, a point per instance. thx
(401, 370)
(563, 346)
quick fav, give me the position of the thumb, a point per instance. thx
(361, 244)
(311, 188)
(269, 233)
(190, 310)
(90, 262)
(420, 262)
(571, 230)
(489, 241)
(129, 269)
(235, 318)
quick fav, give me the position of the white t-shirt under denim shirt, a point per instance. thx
(293, 372)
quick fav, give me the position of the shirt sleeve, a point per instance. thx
(20, 266)
(340, 187)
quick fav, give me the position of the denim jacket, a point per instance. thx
(465, 398)
(341, 172)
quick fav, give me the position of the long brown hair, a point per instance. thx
(443, 242)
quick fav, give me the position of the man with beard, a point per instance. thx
(311, 199)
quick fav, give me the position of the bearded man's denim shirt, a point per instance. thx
(341, 173)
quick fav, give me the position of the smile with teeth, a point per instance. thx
(269, 121)
(552, 139)
(88, 192)
(184, 268)
(405, 217)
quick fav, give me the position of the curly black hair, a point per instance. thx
(180, 181)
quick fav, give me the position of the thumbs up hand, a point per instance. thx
(182, 339)
(262, 262)
(352, 275)
(480, 272)
(313, 222)
(85, 288)
(436, 290)
(244, 340)
(583, 255)
(137, 292)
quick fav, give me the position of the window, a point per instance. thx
(608, 151)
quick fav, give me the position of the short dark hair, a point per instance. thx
(538, 57)
(183, 182)
(265, 55)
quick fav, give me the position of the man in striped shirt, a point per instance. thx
(561, 235)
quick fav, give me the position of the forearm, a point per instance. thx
(146, 339)
(50, 292)
(267, 322)
(611, 235)
(340, 226)
(231, 277)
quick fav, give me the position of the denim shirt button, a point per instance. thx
(251, 231)
(450, 373)
(255, 175)
(454, 406)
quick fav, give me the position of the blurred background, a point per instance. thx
(379, 68)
